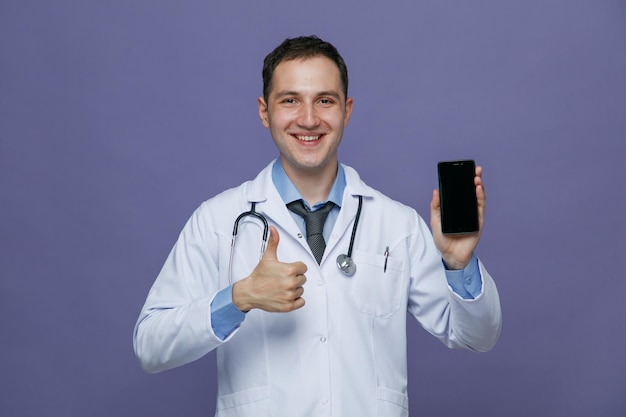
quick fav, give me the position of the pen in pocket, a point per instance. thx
(386, 258)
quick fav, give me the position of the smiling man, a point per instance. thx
(343, 350)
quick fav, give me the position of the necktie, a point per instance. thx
(314, 221)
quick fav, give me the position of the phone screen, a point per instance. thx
(459, 208)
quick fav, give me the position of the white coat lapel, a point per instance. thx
(269, 203)
(349, 206)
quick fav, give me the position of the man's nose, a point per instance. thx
(308, 116)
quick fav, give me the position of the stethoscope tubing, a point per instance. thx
(346, 265)
(266, 229)
(254, 213)
(354, 228)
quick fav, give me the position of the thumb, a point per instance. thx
(435, 214)
(272, 245)
(435, 202)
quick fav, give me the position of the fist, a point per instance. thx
(273, 285)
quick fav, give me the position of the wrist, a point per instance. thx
(455, 264)
(239, 299)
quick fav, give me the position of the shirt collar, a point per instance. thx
(288, 191)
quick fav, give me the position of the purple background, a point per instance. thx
(117, 118)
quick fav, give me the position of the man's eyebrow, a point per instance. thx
(329, 93)
(286, 93)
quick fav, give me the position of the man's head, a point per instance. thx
(305, 106)
(303, 47)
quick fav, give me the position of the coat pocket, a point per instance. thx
(377, 290)
(252, 402)
(391, 403)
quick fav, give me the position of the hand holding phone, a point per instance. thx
(457, 193)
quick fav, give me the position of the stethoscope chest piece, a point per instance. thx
(346, 264)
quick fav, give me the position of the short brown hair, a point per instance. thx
(302, 47)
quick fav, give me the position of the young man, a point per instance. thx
(343, 350)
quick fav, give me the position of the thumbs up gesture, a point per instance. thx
(273, 285)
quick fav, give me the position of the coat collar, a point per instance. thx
(262, 188)
(262, 191)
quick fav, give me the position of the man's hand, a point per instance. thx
(457, 250)
(273, 285)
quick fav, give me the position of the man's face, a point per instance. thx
(306, 113)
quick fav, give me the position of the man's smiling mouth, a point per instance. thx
(308, 138)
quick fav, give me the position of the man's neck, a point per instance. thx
(314, 185)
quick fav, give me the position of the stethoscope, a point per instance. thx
(345, 263)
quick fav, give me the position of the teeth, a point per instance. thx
(307, 138)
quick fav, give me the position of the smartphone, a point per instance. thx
(459, 207)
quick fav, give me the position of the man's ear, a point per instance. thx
(349, 103)
(263, 114)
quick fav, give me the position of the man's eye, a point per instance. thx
(289, 101)
(326, 101)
